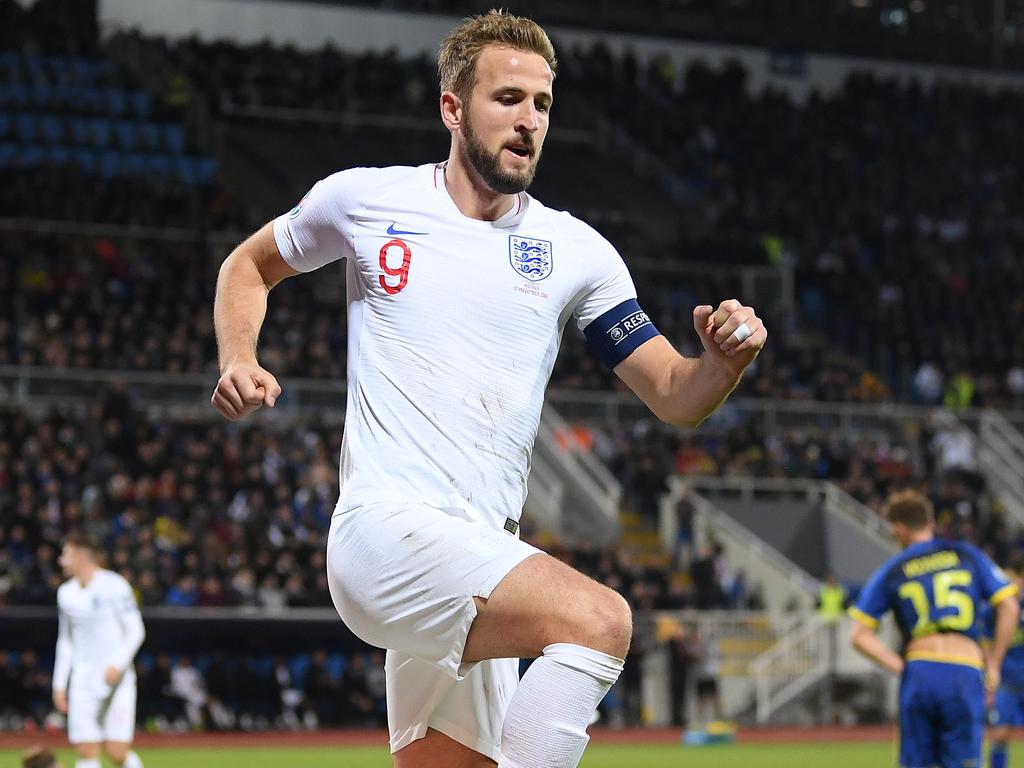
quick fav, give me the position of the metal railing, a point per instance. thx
(839, 501)
(780, 576)
(1001, 458)
(545, 495)
(794, 665)
(851, 418)
(591, 494)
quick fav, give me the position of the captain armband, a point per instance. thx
(618, 332)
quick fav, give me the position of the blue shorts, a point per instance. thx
(942, 715)
(1009, 707)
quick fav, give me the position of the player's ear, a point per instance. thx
(451, 110)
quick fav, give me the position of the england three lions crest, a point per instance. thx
(529, 257)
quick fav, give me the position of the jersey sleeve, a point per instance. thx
(62, 655)
(607, 311)
(872, 602)
(993, 584)
(126, 610)
(318, 230)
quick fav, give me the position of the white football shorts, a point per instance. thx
(403, 577)
(97, 712)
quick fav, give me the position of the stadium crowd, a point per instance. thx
(896, 206)
(889, 201)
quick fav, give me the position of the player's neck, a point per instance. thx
(86, 574)
(919, 537)
(471, 194)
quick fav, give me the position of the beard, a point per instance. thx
(488, 164)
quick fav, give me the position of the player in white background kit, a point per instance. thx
(99, 634)
(459, 286)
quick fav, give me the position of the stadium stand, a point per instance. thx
(894, 206)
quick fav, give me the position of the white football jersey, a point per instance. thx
(100, 626)
(453, 328)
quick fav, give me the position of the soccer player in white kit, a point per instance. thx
(99, 634)
(459, 285)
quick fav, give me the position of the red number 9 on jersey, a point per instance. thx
(402, 272)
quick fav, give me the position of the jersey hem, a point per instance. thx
(942, 658)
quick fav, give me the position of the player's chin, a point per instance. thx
(519, 174)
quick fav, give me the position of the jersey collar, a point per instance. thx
(510, 218)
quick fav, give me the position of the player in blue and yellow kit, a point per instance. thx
(1009, 704)
(937, 590)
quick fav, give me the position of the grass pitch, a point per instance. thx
(597, 756)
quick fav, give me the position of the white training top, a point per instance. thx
(453, 327)
(100, 626)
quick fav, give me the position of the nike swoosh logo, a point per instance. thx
(393, 231)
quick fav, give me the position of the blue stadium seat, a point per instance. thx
(25, 126)
(298, 667)
(82, 69)
(141, 103)
(149, 135)
(81, 130)
(116, 101)
(133, 164)
(51, 129)
(31, 155)
(205, 168)
(174, 136)
(7, 154)
(160, 165)
(6, 125)
(110, 163)
(85, 159)
(125, 131)
(336, 664)
(35, 66)
(87, 99)
(100, 129)
(18, 94)
(262, 666)
(43, 95)
(185, 168)
(59, 155)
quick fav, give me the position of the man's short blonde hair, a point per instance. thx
(456, 61)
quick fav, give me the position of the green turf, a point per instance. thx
(598, 756)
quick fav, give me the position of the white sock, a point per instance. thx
(546, 723)
(131, 761)
(94, 763)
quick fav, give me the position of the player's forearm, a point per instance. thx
(62, 665)
(869, 644)
(1007, 619)
(695, 388)
(134, 634)
(239, 308)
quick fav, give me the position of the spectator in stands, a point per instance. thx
(188, 686)
(323, 691)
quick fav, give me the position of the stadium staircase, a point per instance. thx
(785, 534)
(1000, 450)
(570, 491)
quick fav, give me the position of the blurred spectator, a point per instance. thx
(188, 685)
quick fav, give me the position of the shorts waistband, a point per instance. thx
(942, 658)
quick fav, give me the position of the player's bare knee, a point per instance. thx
(612, 624)
(118, 752)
